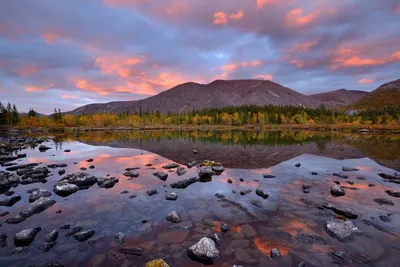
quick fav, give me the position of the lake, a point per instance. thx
(295, 169)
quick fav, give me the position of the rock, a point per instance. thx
(395, 178)
(174, 217)
(298, 165)
(38, 193)
(20, 251)
(132, 196)
(85, 235)
(346, 212)
(152, 192)
(43, 148)
(205, 172)
(195, 151)
(361, 178)
(107, 183)
(157, 263)
(15, 220)
(89, 160)
(257, 203)
(65, 189)
(38, 206)
(306, 189)
(161, 175)
(341, 175)
(192, 164)
(25, 237)
(124, 192)
(47, 246)
(384, 201)
(171, 196)
(268, 176)
(59, 165)
(61, 172)
(65, 227)
(170, 166)
(132, 251)
(341, 230)
(314, 173)
(4, 214)
(131, 174)
(51, 237)
(54, 264)
(241, 179)
(218, 169)
(92, 167)
(22, 166)
(385, 218)
(230, 181)
(350, 182)
(10, 201)
(185, 183)
(205, 251)
(180, 171)
(371, 185)
(132, 169)
(261, 193)
(81, 179)
(119, 238)
(67, 150)
(275, 253)
(337, 191)
(216, 238)
(74, 230)
(348, 169)
(148, 165)
(225, 227)
(21, 155)
(3, 240)
(219, 195)
(393, 193)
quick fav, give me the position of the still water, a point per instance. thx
(288, 219)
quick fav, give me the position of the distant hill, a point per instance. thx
(386, 95)
(221, 93)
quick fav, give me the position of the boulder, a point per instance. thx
(85, 235)
(171, 196)
(22, 166)
(132, 251)
(184, 183)
(170, 166)
(151, 192)
(161, 175)
(204, 251)
(131, 174)
(25, 237)
(81, 179)
(349, 169)
(261, 193)
(174, 217)
(341, 230)
(51, 237)
(9, 201)
(205, 172)
(38, 206)
(346, 212)
(384, 201)
(119, 238)
(336, 190)
(393, 193)
(38, 193)
(275, 253)
(65, 189)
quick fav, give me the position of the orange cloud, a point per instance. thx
(89, 86)
(303, 64)
(348, 57)
(263, 76)
(35, 89)
(237, 16)
(234, 66)
(263, 3)
(295, 18)
(220, 18)
(173, 9)
(366, 80)
(50, 37)
(117, 65)
(69, 97)
(304, 47)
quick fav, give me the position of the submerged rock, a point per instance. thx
(85, 235)
(170, 166)
(15, 220)
(257, 203)
(161, 175)
(346, 212)
(180, 171)
(151, 192)
(10, 201)
(349, 169)
(341, 230)
(306, 189)
(261, 193)
(384, 201)
(38, 206)
(38, 193)
(341, 175)
(336, 190)
(192, 164)
(107, 183)
(73, 231)
(204, 251)
(269, 176)
(393, 193)
(132, 251)
(51, 237)
(184, 183)
(174, 217)
(25, 237)
(219, 195)
(47, 246)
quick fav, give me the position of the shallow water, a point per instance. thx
(286, 221)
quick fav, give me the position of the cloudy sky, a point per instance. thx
(68, 53)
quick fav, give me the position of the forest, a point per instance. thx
(228, 116)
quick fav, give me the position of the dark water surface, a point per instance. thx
(289, 220)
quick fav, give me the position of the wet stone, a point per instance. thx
(180, 171)
(38, 206)
(261, 193)
(348, 213)
(47, 246)
(191, 164)
(349, 169)
(298, 165)
(173, 217)
(9, 201)
(92, 167)
(257, 203)
(184, 183)
(385, 218)
(25, 237)
(4, 214)
(152, 192)
(205, 172)
(3, 240)
(161, 175)
(371, 185)
(170, 166)
(384, 201)
(132, 251)
(225, 227)
(341, 230)
(393, 193)
(171, 196)
(268, 176)
(83, 236)
(119, 238)
(89, 160)
(61, 172)
(314, 173)
(65, 227)
(131, 174)
(38, 193)
(341, 175)
(336, 190)
(51, 237)
(275, 253)
(230, 181)
(204, 251)
(73, 231)
(219, 195)
(15, 220)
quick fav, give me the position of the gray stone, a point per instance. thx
(131, 174)
(336, 190)
(349, 169)
(225, 227)
(206, 172)
(180, 171)
(132, 251)
(170, 166)
(119, 238)
(174, 217)
(10, 201)
(341, 230)
(257, 203)
(151, 192)
(261, 193)
(38, 206)
(61, 172)
(161, 175)
(275, 253)
(384, 201)
(38, 193)
(219, 195)
(85, 235)
(268, 176)
(191, 164)
(171, 196)
(47, 246)
(65, 189)
(3, 240)
(341, 175)
(346, 212)
(205, 251)
(15, 220)
(185, 183)
(393, 193)
(25, 237)
(51, 237)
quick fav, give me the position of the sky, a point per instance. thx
(70, 53)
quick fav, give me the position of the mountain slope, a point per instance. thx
(340, 97)
(220, 93)
(386, 95)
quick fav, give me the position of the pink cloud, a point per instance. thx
(304, 46)
(263, 76)
(366, 80)
(237, 16)
(220, 18)
(50, 36)
(264, 3)
(118, 65)
(232, 67)
(35, 89)
(69, 97)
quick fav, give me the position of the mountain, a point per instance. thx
(339, 97)
(217, 94)
(386, 95)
